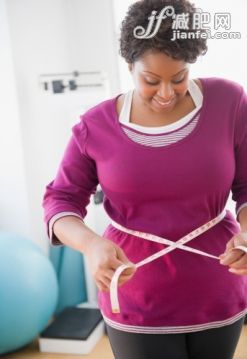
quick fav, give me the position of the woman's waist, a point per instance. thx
(212, 241)
(181, 244)
(172, 228)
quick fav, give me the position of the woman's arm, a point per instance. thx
(242, 217)
(104, 256)
(73, 232)
(237, 259)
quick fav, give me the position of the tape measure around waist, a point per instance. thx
(172, 246)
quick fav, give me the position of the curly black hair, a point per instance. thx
(132, 48)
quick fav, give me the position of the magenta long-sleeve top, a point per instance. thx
(167, 191)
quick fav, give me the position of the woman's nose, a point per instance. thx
(165, 92)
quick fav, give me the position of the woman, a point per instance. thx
(167, 155)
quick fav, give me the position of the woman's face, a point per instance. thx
(160, 81)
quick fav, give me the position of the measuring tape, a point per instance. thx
(172, 246)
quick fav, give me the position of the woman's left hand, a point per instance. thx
(235, 258)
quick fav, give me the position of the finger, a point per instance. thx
(230, 257)
(115, 263)
(243, 248)
(128, 275)
(109, 274)
(102, 287)
(230, 245)
(105, 279)
(124, 276)
(241, 263)
(123, 280)
(122, 256)
(238, 271)
(128, 272)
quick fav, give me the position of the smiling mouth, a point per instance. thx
(164, 103)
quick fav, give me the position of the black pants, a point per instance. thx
(216, 343)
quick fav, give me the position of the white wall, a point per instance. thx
(120, 8)
(37, 31)
(91, 40)
(54, 37)
(13, 191)
(225, 58)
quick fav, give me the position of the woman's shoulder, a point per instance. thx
(96, 118)
(219, 86)
(103, 107)
(100, 113)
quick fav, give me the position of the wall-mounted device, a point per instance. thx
(73, 81)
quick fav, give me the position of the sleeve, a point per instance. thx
(239, 187)
(76, 180)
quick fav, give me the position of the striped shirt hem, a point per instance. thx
(173, 329)
(161, 140)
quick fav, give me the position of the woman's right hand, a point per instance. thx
(104, 257)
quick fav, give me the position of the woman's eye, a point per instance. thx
(175, 82)
(151, 83)
(178, 81)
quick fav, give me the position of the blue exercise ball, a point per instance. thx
(28, 291)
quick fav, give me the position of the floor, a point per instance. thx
(103, 351)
